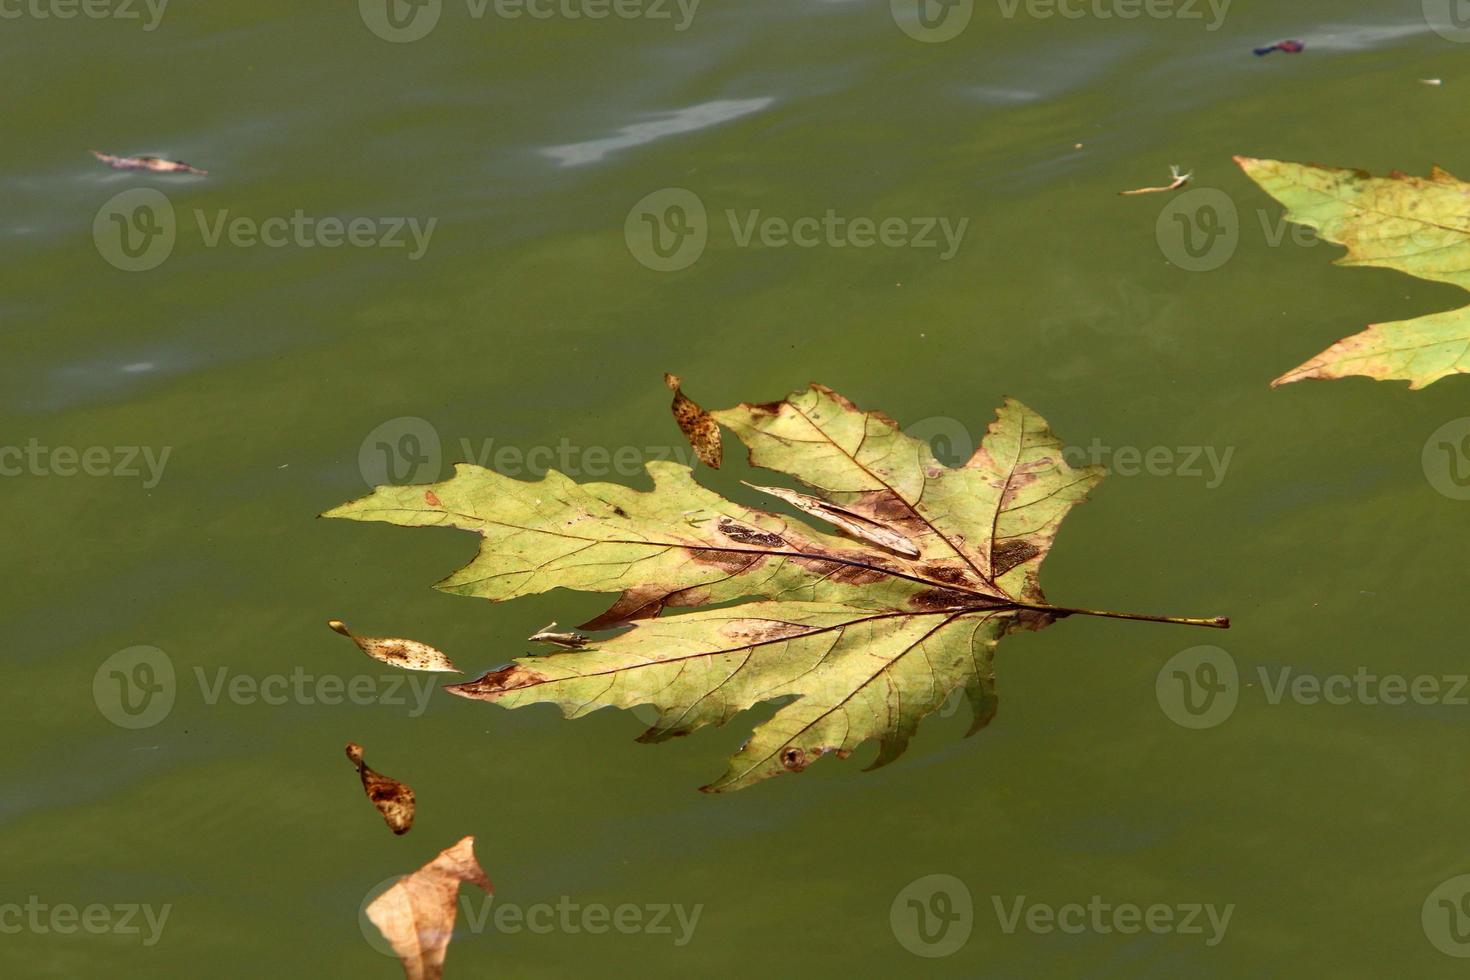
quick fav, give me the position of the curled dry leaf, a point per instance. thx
(408, 654)
(156, 165)
(701, 431)
(863, 528)
(416, 915)
(854, 642)
(393, 799)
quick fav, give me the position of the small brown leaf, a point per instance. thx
(698, 427)
(857, 525)
(408, 654)
(416, 915)
(393, 799)
(156, 165)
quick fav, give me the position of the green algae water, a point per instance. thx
(456, 231)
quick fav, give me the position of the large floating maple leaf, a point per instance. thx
(858, 635)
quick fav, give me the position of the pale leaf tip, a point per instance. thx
(337, 626)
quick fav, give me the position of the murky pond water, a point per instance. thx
(480, 237)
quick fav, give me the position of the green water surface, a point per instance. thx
(536, 322)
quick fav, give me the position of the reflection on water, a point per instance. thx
(685, 120)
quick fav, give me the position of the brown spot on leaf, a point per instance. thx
(639, 602)
(942, 599)
(794, 759)
(494, 683)
(1006, 556)
(838, 571)
(762, 630)
(741, 534)
(764, 408)
(731, 562)
(432, 499)
(944, 573)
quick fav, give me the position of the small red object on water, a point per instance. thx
(1290, 47)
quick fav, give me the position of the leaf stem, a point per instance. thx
(1216, 622)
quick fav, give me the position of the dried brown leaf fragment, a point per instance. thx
(394, 800)
(416, 915)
